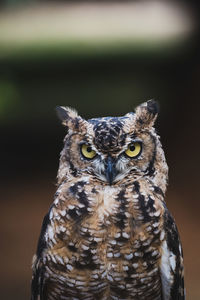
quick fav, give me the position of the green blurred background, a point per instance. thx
(102, 58)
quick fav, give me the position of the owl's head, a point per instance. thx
(113, 149)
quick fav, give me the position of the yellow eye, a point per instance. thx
(133, 149)
(87, 151)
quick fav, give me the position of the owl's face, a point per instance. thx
(111, 149)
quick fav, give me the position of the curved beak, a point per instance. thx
(110, 170)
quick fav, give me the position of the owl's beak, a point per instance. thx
(110, 170)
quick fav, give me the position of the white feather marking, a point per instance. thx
(157, 213)
(168, 263)
(50, 234)
(59, 259)
(84, 247)
(108, 205)
(162, 235)
(172, 260)
(51, 214)
(69, 267)
(125, 235)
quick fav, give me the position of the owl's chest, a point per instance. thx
(125, 240)
(110, 242)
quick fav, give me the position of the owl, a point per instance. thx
(108, 233)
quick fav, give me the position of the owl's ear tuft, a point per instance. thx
(68, 116)
(153, 107)
(146, 114)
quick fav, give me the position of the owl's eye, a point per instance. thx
(134, 149)
(87, 151)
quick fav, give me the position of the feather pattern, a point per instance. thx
(108, 233)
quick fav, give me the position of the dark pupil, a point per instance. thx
(132, 147)
(89, 149)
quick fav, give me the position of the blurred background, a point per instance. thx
(102, 58)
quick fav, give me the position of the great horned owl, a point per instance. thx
(108, 233)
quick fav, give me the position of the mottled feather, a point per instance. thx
(108, 233)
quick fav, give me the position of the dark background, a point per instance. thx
(107, 82)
